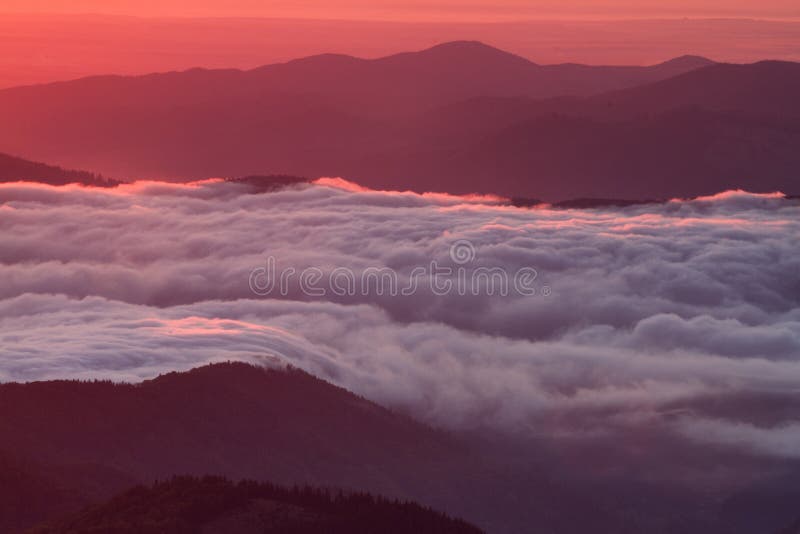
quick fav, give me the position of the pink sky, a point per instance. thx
(51, 40)
(419, 10)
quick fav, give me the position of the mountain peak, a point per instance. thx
(464, 45)
(688, 61)
(466, 50)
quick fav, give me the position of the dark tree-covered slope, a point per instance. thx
(188, 505)
(13, 169)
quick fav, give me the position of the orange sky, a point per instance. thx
(419, 10)
(49, 40)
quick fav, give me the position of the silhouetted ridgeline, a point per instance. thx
(187, 505)
(73, 443)
(13, 169)
(66, 444)
(424, 121)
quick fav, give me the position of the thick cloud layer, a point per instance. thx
(621, 317)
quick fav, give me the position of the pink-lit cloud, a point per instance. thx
(649, 309)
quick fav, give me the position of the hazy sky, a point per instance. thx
(49, 40)
(450, 10)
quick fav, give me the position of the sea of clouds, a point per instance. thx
(660, 314)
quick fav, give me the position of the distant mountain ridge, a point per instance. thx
(766, 88)
(460, 117)
(459, 69)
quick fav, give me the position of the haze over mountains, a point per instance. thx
(50, 47)
(69, 444)
(402, 267)
(460, 117)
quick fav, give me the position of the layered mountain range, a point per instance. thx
(460, 117)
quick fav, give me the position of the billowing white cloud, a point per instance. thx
(631, 312)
